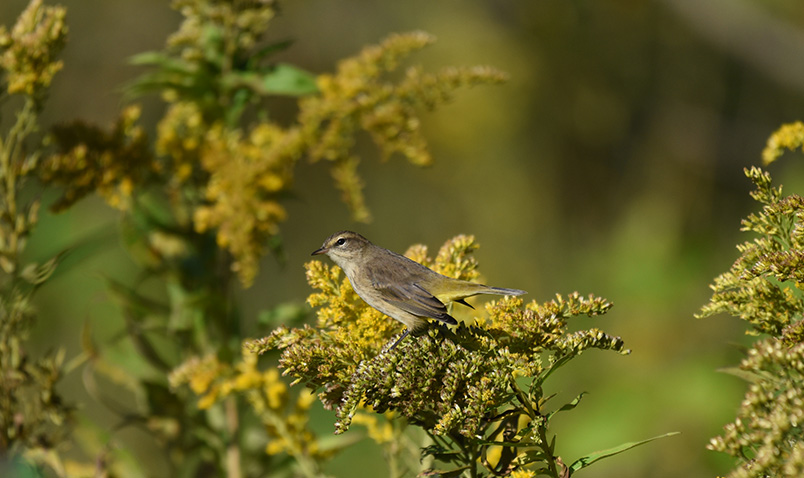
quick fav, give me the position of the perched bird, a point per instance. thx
(397, 286)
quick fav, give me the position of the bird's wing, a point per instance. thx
(405, 293)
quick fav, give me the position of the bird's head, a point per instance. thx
(344, 247)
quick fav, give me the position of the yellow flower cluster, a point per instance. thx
(789, 136)
(246, 178)
(250, 17)
(285, 421)
(91, 159)
(28, 53)
(180, 135)
(358, 97)
(380, 429)
(455, 258)
(353, 324)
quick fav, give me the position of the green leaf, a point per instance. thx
(441, 454)
(444, 474)
(567, 406)
(335, 443)
(285, 79)
(155, 58)
(587, 460)
(530, 456)
(36, 274)
(269, 50)
(134, 302)
(511, 444)
(749, 376)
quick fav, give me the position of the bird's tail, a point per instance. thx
(504, 291)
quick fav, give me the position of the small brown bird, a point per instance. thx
(397, 286)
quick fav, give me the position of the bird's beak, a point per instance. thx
(322, 250)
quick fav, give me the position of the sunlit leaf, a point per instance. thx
(587, 460)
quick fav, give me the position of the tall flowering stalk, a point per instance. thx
(34, 419)
(765, 287)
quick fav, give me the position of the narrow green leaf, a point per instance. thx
(567, 406)
(441, 454)
(36, 274)
(335, 443)
(748, 376)
(269, 50)
(134, 301)
(587, 460)
(444, 474)
(530, 456)
(150, 58)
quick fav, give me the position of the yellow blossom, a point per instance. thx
(275, 446)
(90, 159)
(27, 53)
(789, 136)
(379, 431)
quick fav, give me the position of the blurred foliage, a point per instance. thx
(610, 162)
(198, 204)
(34, 419)
(477, 391)
(765, 287)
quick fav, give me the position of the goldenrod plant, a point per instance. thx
(35, 421)
(478, 391)
(765, 287)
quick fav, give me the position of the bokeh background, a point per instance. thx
(610, 163)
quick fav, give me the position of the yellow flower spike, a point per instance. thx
(274, 389)
(209, 399)
(305, 400)
(30, 49)
(126, 186)
(275, 446)
(247, 380)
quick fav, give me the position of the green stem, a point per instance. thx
(548, 452)
(393, 462)
(307, 465)
(473, 455)
(23, 126)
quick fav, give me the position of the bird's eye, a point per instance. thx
(340, 242)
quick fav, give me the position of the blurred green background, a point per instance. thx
(610, 163)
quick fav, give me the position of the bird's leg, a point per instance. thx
(407, 332)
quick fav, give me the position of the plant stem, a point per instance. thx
(307, 465)
(548, 453)
(473, 454)
(233, 450)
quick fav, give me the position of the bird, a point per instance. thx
(399, 287)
